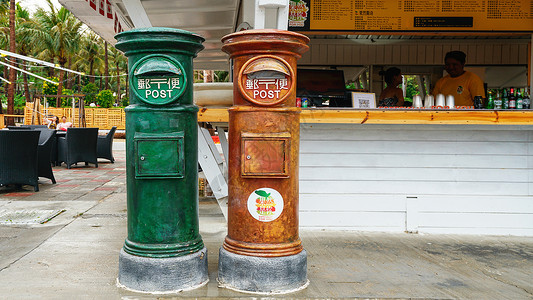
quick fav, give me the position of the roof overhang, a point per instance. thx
(210, 19)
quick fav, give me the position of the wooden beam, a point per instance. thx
(394, 116)
(137, 13)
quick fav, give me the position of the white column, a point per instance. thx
(282, 13)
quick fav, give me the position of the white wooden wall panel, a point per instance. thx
(344, 52)
(371, 221)
(464, 179)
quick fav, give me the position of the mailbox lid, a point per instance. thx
(265, 154)
(159, 155)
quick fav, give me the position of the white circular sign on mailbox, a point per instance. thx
(265, 204)
(158, 79)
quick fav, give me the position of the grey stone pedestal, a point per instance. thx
(162, 275)
(260, 275)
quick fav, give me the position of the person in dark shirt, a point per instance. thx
(392, 95)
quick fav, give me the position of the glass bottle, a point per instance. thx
(527, 100)
(505, 99)
(498, 100)
(512, 99)
(519, 100)
(490, 101)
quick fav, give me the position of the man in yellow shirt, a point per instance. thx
(462, 85)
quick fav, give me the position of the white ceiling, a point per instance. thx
(209, 18)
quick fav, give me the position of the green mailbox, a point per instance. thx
(164, 251)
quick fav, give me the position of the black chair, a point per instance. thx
(34, 126)
(104, 147)
(47, 139)
(18, 157)
(18, 128)
(78, 145)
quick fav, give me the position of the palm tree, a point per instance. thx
(4, 37)
(12, 72)
(106, 66)
(89, 57)
(119, 63)
(24, 41)
(59, 32)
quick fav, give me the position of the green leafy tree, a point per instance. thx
(50, 89)
(105, 98)
(411, 87)
(90, 91)
(89, 57)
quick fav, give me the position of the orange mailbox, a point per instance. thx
(262, 252)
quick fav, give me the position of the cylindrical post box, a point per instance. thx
(262, 252)
(164, 251)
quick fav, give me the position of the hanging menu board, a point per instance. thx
(411, 15)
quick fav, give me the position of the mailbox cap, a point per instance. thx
(158, 40)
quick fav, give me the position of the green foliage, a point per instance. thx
(66, 102)
(50, 88)
(105, 98)
(90, 90)
(125, 101)
(411, 88)
(221, 76)
(20, 101)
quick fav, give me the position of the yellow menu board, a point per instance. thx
(411, 15)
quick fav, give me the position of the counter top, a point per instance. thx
(394, 116)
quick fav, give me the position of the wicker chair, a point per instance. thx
(34, 126)
(78, 145)
(18, 157)
(104, 147)
(18, 128)
(47, 139)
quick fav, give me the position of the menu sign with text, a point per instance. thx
(411, 15)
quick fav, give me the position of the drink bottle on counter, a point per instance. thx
(490, 102)
(505, 99)
(527, 100)
(298, 102)
(512, 99)
(519, 100)
(498, 101)
(478, 102)
(305, 102)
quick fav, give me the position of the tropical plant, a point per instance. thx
(90, 91)
(89, 57)
(24, 40)
(105, 98)
(125, 101)
(59, 33)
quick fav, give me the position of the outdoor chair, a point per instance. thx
(18, 157)
(34, 126)
(18, 128)
(44, 153)
(79, 145)
(105, 145)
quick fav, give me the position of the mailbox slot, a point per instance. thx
(265, 154)
(159, 156)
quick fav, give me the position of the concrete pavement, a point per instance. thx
(75, 254)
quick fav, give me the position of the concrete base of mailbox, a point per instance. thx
(262, 275)
(162, 275)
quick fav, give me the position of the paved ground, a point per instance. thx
(75, 255)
